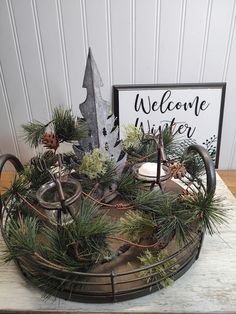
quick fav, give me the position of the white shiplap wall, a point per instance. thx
(44, 44)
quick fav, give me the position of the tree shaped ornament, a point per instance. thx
(96, 110)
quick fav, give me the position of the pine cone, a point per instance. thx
(177, 170)
(50, 140)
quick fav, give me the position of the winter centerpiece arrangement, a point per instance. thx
(110, 220)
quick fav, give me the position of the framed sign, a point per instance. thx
(195, 111)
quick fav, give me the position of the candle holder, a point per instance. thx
(60, 196)
(147, 172)
(155, 174)
(60, 199)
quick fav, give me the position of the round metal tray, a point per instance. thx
(123, 278)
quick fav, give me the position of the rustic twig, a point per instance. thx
(31, 206)
(48, 263)
(118, 206)
(134, 244)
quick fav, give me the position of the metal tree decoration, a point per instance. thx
(95, 110)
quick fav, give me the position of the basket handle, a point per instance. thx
(209, 166)
(17, 165)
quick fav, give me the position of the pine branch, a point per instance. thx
(109, 177)
(33, 132)
(146, 150)
(66, 126)
(206, 210)
(177, 150)
(143, 146)
(19, 185)
(128, 185)
(152, 201)
(169, 217)
(136, 225)
(174, 221)
(194, 166)
(83, 242)
(22, 237)
(77, 246)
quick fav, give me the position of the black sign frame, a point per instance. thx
(182, 89)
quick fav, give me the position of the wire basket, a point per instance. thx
(116, 280)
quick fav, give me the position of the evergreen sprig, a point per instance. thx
(109, 177)
(35, 177)
(207, 210)
(20, 185)
(194, 166)
(128, 185)
(76, 246)
(81, 243)
(137, 225)
(22, 235)
(33, 132)
(152, 201)
(162, 212)
(174, 220)
(64, 124)
(143, 146)
(24, 242)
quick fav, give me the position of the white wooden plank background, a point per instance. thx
(43, 47)
(121, 23)
(209, 286)
(145, 40)
(24, 21)
(170, 23)
(194, 28)
(75, 52)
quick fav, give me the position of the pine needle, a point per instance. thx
(33, 132)
(207, 210)
(66, 126)
(22, 237)
(136, 225)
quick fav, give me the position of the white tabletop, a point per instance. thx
(209, 286)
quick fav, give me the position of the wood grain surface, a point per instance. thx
(229, 178)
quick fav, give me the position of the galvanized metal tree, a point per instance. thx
(96, 110)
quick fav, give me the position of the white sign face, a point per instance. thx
(194, 111)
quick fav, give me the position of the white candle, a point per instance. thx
(149, 169)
